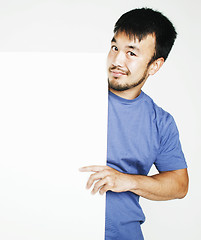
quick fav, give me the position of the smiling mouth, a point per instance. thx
(117, 73)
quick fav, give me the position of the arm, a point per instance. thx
(162, 186)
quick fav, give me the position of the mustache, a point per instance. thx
(118, 69)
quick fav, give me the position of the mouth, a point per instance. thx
(117, 73)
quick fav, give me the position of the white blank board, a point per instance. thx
(53, 120)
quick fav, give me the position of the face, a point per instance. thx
(127, 61)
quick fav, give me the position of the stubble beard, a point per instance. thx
(119, 87)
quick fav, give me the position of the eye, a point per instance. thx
(114, 48)
(131, 54)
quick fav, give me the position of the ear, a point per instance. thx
(155, 66)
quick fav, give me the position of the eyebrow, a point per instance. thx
(129, 46)
(113, 40)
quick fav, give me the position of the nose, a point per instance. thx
(119, 59)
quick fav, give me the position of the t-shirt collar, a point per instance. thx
(124, 100)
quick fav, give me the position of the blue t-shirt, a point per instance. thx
(140, 134)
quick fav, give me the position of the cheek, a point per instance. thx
(131, 67)
(136, 67)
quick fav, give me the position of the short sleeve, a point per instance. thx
(170, 155)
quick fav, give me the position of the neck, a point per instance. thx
(127, 94)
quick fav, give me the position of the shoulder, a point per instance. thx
(162, 118)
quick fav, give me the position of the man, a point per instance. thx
(140, 133)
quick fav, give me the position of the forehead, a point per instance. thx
(124, 40)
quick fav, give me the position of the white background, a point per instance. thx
(86, 27)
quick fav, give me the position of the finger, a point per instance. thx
(93, 168)
(104, 189)
(98, 185)
(94, 177)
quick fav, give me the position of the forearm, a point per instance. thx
(162, 186)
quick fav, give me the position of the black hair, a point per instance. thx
(140, 22)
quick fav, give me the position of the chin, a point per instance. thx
(117, 87)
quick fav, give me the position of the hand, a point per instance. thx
(107, 179)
